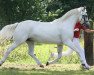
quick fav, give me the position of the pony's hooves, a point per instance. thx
(87, 68)
(47, 63)
(0, 64)
(42, 66)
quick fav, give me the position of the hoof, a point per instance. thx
(84, 66)
(42, 66)
(0, 64)
(47, 63)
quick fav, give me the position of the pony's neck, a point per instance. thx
(71, 21)
(67, 15)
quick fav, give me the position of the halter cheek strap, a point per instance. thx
(83, 17)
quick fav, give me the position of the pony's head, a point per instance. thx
(83, 18)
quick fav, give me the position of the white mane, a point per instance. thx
(68, 14)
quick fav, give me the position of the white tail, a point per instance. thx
(7, 32)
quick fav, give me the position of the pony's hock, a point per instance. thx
(46, 32)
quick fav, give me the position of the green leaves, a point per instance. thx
(12, 11)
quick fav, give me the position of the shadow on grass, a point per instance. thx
(33, 71)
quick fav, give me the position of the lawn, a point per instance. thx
(20, 63)
(42, 51)
(55, 69)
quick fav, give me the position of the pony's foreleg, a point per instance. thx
(70, 44)
(12, 47)
(31, 52)
(81, 50)
(59, 50)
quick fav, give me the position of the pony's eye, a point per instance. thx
(83, 10)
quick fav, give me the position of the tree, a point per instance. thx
(42, 10)
(19, 10)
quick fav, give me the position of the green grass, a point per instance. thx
(56, 69)
(20, 54)
(20, 63)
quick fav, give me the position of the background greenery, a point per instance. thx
(12, 11)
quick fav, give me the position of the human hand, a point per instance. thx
(77, 29)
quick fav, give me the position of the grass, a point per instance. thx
(20, 63)
(56, 69)
(20, 54)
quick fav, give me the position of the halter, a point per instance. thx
(85, 23)
(85, 18)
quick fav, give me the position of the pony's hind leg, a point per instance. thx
(31, 52)
(12, 47)
(59, 50)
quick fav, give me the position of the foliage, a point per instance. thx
(19, 10)
(42, 10)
